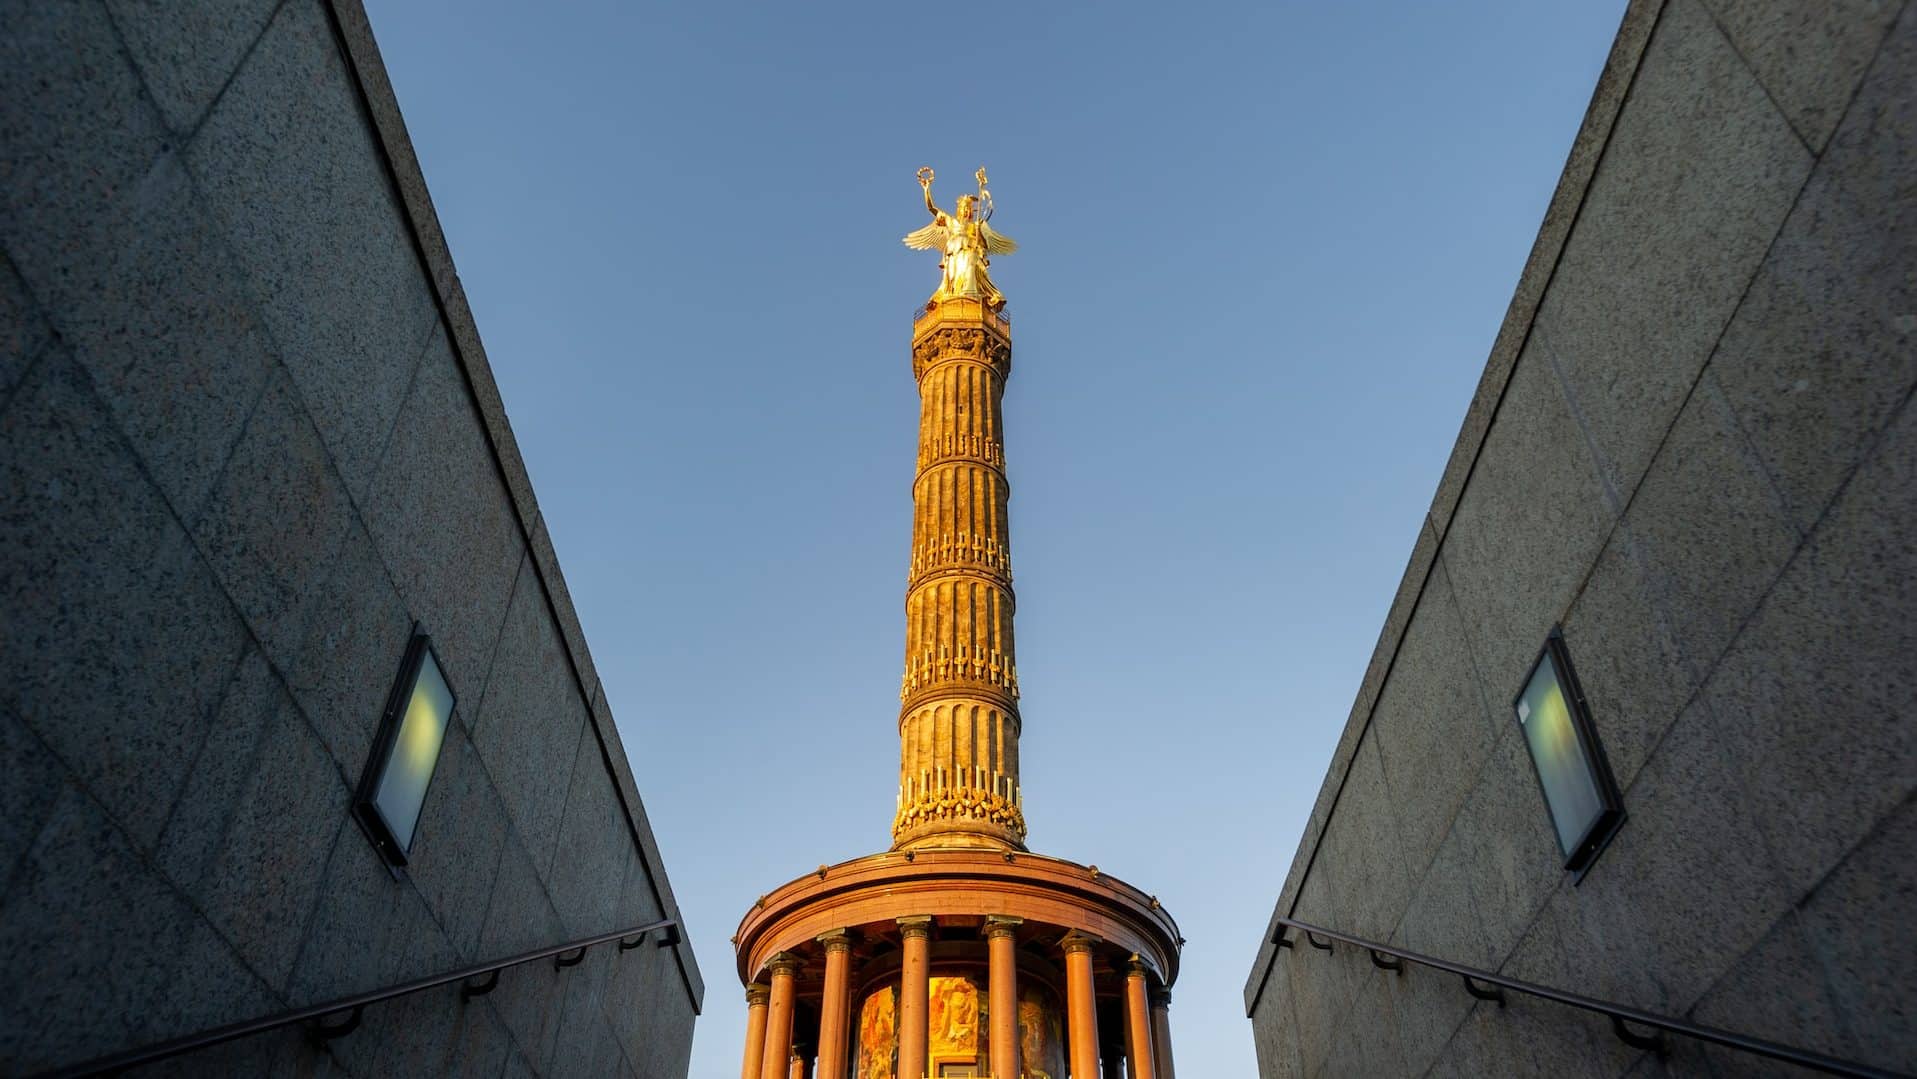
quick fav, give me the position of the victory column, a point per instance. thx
(957, 952)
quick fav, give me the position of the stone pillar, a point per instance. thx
(958, 696)
(1001, 935)
(801, 1068)
(1081, 1009)
(756, 996)
(915, 988)
(776, 1061)
(1161, 1033)
(1138, 1022)
(835, 1009)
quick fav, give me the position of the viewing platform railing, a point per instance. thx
(999, 316)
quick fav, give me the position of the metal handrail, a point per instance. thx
(922, 310)
(355, 1005)
(1619, 1014)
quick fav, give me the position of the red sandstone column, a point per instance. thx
(835, 1008)
(915, 987)
(1161, 1033)
(1138, 1023)
(1081, 1011)
(777, 1058)
(756, 996)
(1001, 936)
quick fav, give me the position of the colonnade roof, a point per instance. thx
(875, 891)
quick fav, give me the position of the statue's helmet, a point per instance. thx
(965, 204)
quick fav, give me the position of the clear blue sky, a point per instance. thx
(1265, 250)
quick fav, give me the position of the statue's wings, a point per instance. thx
(996, 242)
(930, 238)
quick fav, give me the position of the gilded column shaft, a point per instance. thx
(959, 723)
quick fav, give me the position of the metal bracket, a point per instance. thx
(629, 945)
(1653, 1041)
(324, 1031)
(469, 990)
(1325, 947)
(1493, 993)
(1281, 940)
(1383, 962)
(669, 936)
(560, 962)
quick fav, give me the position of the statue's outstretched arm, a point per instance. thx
(925, 185)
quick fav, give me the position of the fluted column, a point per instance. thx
(1081, 1008)
(1138, 1022)
(1001, 941)
(756, 996)
(915, 988)
(835, 1009)
(958, 717)
(776, 1060)
(1161, 1033)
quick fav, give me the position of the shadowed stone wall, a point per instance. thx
(247, 437)
(1694, 447)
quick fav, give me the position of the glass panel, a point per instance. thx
(402, 787)
(1564, 769)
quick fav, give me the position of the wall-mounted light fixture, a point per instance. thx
(1586, 808)
(405, 752)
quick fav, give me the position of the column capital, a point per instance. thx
(757, 994)
(1135, 965)
(918, 925)
(1000, 925)
(1161, 997)
(838, 940)
(784, 963)
(1078, 941)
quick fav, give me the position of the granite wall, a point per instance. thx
(247, 437)
(1693, 447)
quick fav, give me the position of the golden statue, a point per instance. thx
(967, 241)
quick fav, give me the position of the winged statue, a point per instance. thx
(966, 241)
